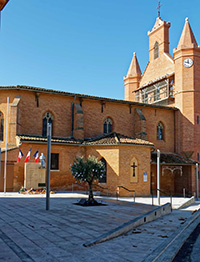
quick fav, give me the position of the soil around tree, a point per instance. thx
(85, 202)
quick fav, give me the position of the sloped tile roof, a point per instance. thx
(59, 140)
(58, 92)
(171, 159)
(116, 139)
(105, 139)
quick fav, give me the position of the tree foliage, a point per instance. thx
(88, 170)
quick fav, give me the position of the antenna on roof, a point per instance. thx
(159, 6)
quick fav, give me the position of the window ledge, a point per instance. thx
(54, 170)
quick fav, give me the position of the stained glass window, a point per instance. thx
(47, 118)
(107, 126)
(160, 131)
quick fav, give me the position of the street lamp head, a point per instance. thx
(3, 3)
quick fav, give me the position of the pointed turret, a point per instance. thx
(134, 69)
(187, 38)
(132, 80)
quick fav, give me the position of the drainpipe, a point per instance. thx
(72, 116)
(197, 181)
(0, 161)
(158, 176)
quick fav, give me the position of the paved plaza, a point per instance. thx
(30, 233)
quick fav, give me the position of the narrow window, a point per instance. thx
(107, 126)
(197, 120)
(1, 126)
(104, 178)
(160, 132)
(198, 156)
(47, 118)
(156, 50)
(54, 161)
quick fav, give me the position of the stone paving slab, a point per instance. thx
(57, 233)
(30, 233)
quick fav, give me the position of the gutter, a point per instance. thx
(72, 116)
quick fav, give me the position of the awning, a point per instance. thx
(171, 159)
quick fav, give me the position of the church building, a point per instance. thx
(160, 111)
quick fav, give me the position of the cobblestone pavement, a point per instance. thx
(30, 233)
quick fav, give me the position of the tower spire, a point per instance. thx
(187, 37)
(134, 69)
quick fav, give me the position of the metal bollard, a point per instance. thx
(117, 193)
(184, 192)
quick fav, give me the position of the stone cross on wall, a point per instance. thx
(134, 168)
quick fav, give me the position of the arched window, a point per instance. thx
(1, 126)
(108, 126)
(156, 50)
(160, 131)
(47, 118)
(104, 178)
(133, 170)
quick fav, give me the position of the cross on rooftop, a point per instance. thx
(159, 6)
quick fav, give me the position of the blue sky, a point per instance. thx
(83, 46)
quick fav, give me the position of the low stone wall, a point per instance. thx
(126, 227)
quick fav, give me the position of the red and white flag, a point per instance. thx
(20, 156)
(28, 156)
(36, 155)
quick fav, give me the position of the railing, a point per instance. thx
(104, 188)
(86, 191)
(161, 191)
(132, 191)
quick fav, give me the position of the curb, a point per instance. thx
(168, 250)
(126, 227)
(187, 203)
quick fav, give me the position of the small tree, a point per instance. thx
(88, 170)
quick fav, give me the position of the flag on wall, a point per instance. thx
(20, 156)
(28, 156)
(36, 155)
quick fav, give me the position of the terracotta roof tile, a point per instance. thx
(105, 139)
(58, 92)
(171, 159)
(117, 139)
(32, 138)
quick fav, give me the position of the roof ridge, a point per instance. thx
(58, 92)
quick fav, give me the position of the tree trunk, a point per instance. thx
(91, 197)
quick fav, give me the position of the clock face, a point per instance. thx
(188, 62)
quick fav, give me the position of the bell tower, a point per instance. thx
(187, 92)
(159, 36)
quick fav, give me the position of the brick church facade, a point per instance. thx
(160, 111)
